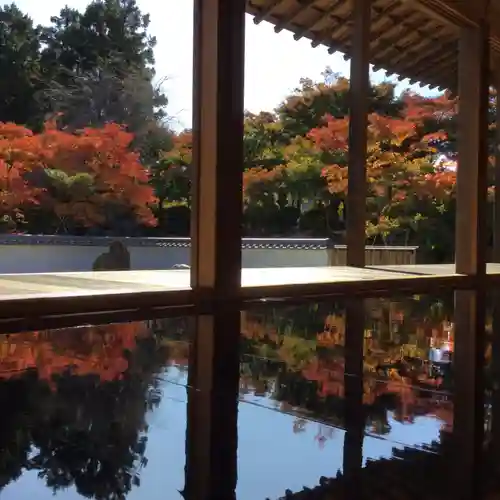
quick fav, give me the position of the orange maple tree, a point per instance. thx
(18, 157)
(115, 173)
(77, 176)
(398, 156)
(407, 188)
(402, 175)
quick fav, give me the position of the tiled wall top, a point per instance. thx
(104, 241)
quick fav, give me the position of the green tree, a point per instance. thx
(170, 177)
(111, 31)
(263, 140)
(99, 67)
(19, 66)
(306, 107)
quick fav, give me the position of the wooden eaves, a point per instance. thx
(415, 39)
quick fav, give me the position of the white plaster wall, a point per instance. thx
(64, 258)
(47, 258)
(158, 257)
(258, 257)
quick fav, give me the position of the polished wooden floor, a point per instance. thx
(84, 292)
(19, 286)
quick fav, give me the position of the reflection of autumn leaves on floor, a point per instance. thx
(178, 352)
(74, 406)
(90, 350)
(412, 400)
(81, 351)
(321, 360)
(309, 367)
(329, 376)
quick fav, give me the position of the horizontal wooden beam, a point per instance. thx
(65, 308)
(364, 288)
(37, 323)
(35, 308)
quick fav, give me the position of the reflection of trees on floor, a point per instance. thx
(73, 407)
(295, 356)
(74, 401)
(302, 362)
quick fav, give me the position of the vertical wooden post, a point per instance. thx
(356, 221)
(354, 417)
(211, 438)
(358, 123)
(218, 73)
(495, 352)
(473, 83)
(212, 409)
(496, 224)
(470, 244)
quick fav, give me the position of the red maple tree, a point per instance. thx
(76, 176)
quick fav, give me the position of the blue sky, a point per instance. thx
(274, 62)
